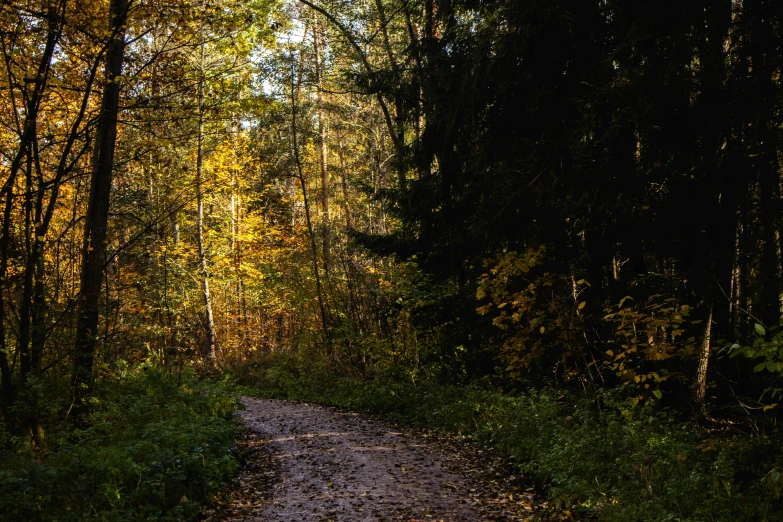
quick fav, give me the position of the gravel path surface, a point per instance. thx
(313, 463)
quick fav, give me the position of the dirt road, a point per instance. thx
(312, 463)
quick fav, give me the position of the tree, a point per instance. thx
(96, 220)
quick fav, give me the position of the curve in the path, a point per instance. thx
(341, 466)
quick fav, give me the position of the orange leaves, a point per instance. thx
(517, 291)
(646, 335)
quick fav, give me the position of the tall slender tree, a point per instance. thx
(96, 220)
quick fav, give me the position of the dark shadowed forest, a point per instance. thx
(554, 227)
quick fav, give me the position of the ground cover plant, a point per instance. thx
(157, 447)
(616, 463)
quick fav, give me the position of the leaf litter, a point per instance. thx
(304, 462)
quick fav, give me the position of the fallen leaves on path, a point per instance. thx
(313, 463)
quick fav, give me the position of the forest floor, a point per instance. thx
(307, 462)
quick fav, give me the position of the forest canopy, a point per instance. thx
(519, 195)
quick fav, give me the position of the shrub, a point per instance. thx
(616, 463)
(157, 448)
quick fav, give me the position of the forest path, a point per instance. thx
(314, 463)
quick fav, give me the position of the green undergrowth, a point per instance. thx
(613, 463)
(158, 447)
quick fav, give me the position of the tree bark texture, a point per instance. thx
(96, 220)
(210, 344)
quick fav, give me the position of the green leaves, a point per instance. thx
(767, 347)
(157, 449)
(770, 366)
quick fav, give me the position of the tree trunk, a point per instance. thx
(313, 246)
(758, 14)
(322, 150)
(399, 102)
(344, 182)
(23, 342)
(96, 220)
(210, 345)
(173, 211)
(700, 383)
(55, 21)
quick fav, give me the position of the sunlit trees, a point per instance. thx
(67, 115)
(502, 189)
